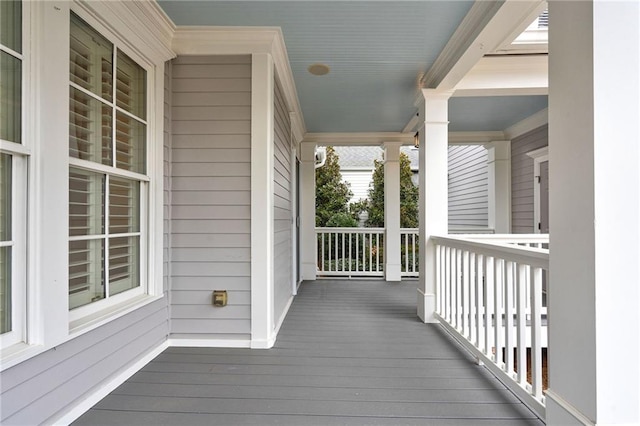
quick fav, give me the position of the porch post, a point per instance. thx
(594, 212)
(499, 171)
(308, 210)
(262, 134)
(392, 211)
(433, 193)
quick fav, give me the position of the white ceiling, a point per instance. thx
(377, 51)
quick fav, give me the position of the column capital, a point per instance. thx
(436, 94)
(307, 152)
(391, 151)
(498, 150)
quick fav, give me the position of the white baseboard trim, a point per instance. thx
(93, 398)
(209, 343)
(263, 344)
(560, 402)
(282, 317)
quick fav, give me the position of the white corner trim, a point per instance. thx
(93, 398)
(568, 408)
(208, 343)
(199, 40)
(532, 122)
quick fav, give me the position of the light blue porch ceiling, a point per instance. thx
(377, 51)
(490, 113)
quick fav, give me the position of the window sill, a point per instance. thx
(104, 316)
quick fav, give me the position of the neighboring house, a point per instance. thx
(153, 153)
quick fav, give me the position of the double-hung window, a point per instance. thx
(13, 164)
(108, 179)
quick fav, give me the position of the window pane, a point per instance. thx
(86, 202)
(130, 143)
(10, 98)
(11, 24)
(5, 289)
(91, 58)
(124, 257)
(131, 83)
(5, 197)
(124, 206)
(90, 124)
(86, 272)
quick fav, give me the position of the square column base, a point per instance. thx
(308, 271)
(392, 272)
(427, 307)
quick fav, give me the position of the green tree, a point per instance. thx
(332, 194)
(408, 196)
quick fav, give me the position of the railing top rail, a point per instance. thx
(358, 230)
(512, 238)
(537, 257)
(405, 230)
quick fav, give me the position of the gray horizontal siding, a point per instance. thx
(468, 186)
(283, 241)
(48, 385)
(211, 196)
(522, 205)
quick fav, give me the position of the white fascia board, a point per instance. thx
(358, 139)
(145, 28)
(487, 26)
(474, 138)
(506, 76)
(199, 40)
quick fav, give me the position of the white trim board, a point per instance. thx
(532, 122)
(93, 398)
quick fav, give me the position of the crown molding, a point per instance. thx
(532, 122)
(467, 32)
(487, 25)
(145, 28)
(196, 40)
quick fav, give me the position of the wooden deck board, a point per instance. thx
(348, 353)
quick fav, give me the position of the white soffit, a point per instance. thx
(506, 75)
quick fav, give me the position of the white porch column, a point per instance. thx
(594, 212)
(433, 193)
(308, 211)
(499, 171)
(392, 211)
(262, 134)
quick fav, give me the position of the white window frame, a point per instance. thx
(96, 312)
(20, 154)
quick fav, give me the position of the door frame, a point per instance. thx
(539, 156)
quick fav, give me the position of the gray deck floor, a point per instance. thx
(348, 353)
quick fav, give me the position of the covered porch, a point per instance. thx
(349, 352)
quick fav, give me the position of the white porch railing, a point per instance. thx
(350, 251)
(409, 252)
(490, 294)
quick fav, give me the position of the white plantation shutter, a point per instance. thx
(107, 126)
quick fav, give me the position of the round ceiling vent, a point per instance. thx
(318, 69)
